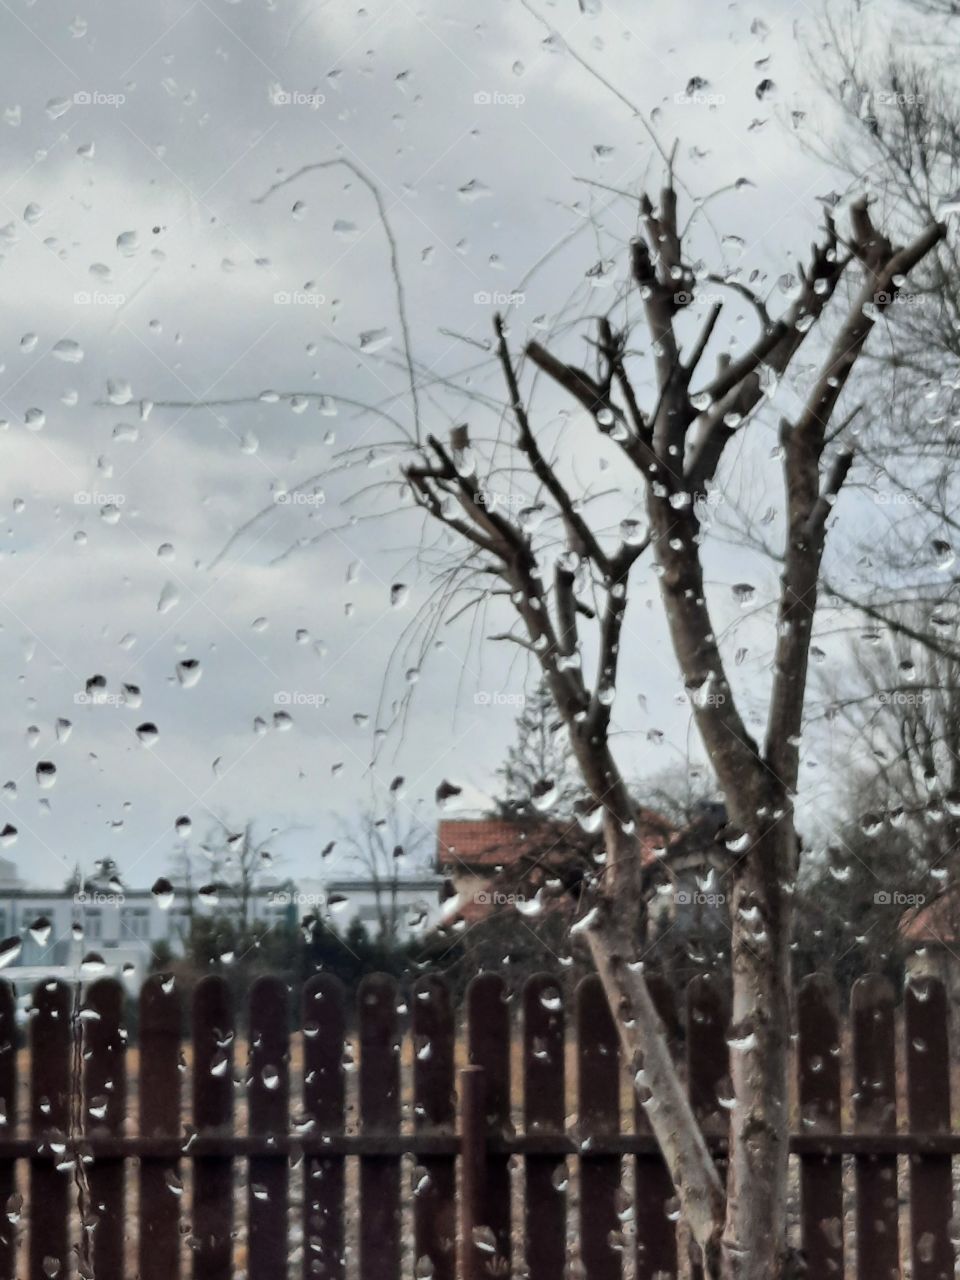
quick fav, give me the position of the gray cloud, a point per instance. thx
(475, 132)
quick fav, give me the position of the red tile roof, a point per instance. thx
(481, 842)
(935, 922)
(494, 842)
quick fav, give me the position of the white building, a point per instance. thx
(130, 929)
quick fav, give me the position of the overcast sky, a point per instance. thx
(139, 267)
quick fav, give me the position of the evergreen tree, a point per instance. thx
(538, 775)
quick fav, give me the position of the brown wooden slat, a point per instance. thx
(50, 1072)
(708, 1054)
(243, 1146)
(434, 1111)
(544, 1111)
(488, 1046)
(212, 1105)
(104, 1111)
(598, 1105)
(818, 1064)
(928, 1103)
(8, 1107)
(708, 1066)
(268, 1100)
(875, 1111)
(656, 1228)
(379, 1113)
(159, 1094)
(475, 1236)
(324, 1026)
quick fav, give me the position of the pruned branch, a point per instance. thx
(706, 334)
(745, 292)
(577, 381)
(828, 495)
(581, 536)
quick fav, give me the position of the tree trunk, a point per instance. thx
(755, 1230)
(761, 879)
(613, 947)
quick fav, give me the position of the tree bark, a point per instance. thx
(754, 1241)
(755, 1230)
(645, 1048)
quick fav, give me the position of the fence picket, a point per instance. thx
(818, 1093)
(598, 1104)
(434, 1111)
(8, 1125)
(213, 1036)
(544, 1111)
(50, 1067)
(875, 1111)
(159, 1091)
(708, 1063)
(656, 1230)
(708, 1055)
(474, 1234)
(324, 1027)
(928, 1102)
(104, 1111)
(488, 1046)
(268, 1099)
(379, 1114)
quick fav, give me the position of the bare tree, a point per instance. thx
(902, 135)
(567, 577)
(681, 793)
(902, 701)
(237, 863)
(388, 844)
(676, 444)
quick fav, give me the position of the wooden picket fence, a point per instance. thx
(495, 1187)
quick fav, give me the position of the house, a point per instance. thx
(486, 859)
(931, 932)
(472, 854)
(687, 886)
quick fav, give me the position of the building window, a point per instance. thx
(135, 923)
(93, 925)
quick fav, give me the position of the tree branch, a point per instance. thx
(580, 535)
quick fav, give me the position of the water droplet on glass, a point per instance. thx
(163, 893)
(188, 672)
(372, 340)
(69, 351)
(46, 774)
(40, 930)
(168, 599)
